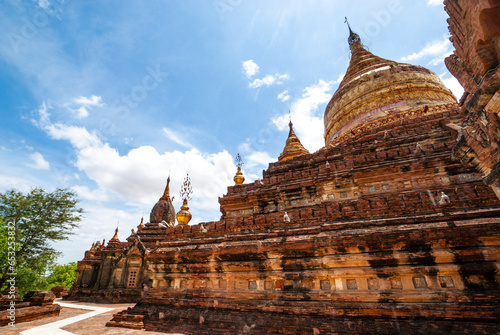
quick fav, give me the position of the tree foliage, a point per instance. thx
(62, 275)
(40, 218)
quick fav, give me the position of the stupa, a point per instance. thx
(386, 232)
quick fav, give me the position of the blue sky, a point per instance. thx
(109, 97)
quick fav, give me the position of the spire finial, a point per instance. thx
(186, 189)
(293, 147)
(348, 26)
(353, 37)
(115, 236)
(238, 160)
(290, 124)
(166, 193)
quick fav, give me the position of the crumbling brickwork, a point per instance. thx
(34, 306)
(475, 30)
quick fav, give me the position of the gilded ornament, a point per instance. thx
(184, 216)
(238, 178)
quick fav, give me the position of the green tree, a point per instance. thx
(40, 218)
(28, 279)
(62, 275)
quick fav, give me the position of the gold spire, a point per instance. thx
(115, 236)
(353, 37)
(293, 147)
(166, 193)
(141, 225)
(374, 87)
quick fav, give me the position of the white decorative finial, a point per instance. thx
(444, 200)
(418, 148)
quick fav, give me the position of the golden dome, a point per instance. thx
(374, 87)
(184, 216)
(293, 147)
(238, 178)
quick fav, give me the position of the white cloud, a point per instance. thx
(339, 78)
(39, 163)
(98, 223)
(80, 106)
(438, 49)
(43, 115)
(81, 112)
(269, 80)
(453, 84)
(176, 137)
(79, 137)
(86, 193)
(20, 182)
(245, 146)
(93, 100)
(250, 68)
(258, 158)
(307, 124)
(438, 60)
(138, 177)
(434, 2)
(284, 96)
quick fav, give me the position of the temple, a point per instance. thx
(391, 227)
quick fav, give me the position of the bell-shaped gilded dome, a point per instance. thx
(374, 87)
(293, 147)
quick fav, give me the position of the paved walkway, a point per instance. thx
(77, 319)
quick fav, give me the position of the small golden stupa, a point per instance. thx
(184, 216)
(141, 225)
(115, 236)
(238, 178)
(293, 147)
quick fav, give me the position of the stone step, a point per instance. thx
(125, 324)
(127, 320)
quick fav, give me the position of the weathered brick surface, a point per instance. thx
(39, 298)
(30, 313)
(59, 291)
(475, 30)
(34, 306)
